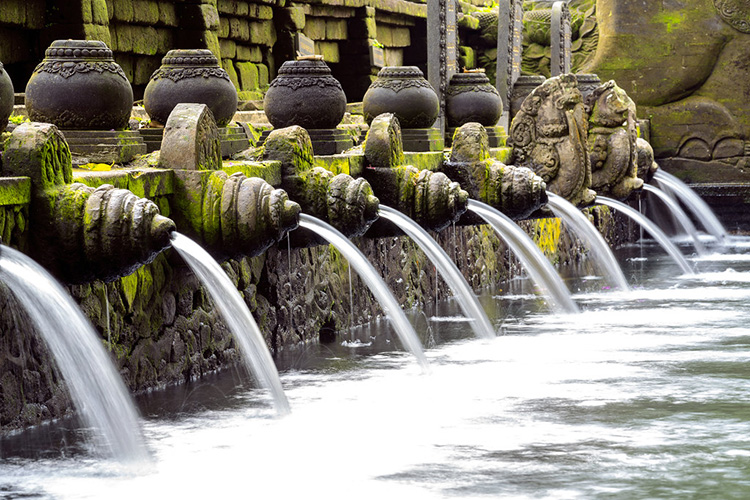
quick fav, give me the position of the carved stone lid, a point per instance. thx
(304, 67)
(400, 72)
(469, 78)
(78, 49)
(190, 57)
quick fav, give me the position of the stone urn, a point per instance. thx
(305, 94)
(79, 86)
(7, 98)
(192, 76)
(470, 97)
(403, 91)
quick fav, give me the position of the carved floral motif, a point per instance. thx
(736, 13)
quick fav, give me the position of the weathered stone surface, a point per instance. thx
(262, 33)
(548, 135)
(383, 144)
(248, 74)
(252, 53)
(612, 141)
(146, 12)
(167, 14)
(291, 18)
(515, 191)
(191, 139)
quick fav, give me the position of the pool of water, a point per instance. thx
(644, 394)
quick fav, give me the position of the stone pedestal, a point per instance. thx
(422, 139)
(104, 146)
(330, 141)
(496, 136)
(233, 139)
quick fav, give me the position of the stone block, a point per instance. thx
(145, 12)
(315, 28)
(258, 11)
(123, 11)
(329, 51)
(242, 9)
(336, 29)
(164, 40)
(228, 66)
(212, 42)
(393, 57)
(228, 48)
(239, 29)
(227, 6)
(203, 16)
(248, 75)
(262, 33)
(263, 76)
(167, 14)
(144, 68)
(191, 139)
(252, 53)
(392, 36)
(97, 32)
(144, 39)
(291, 18)
(35, 15)
(122, 37)
(331, 11)
(99, 12)
(224, 27)
(13, 12)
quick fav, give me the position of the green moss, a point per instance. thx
(547, 237)
(669, 18)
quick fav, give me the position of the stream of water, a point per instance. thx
(643, 395)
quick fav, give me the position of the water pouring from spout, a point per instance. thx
(467, 300)
(228, 301)
(95, 386)
(378, 288)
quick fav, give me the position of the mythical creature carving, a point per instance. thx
(612, 141)
(548, 135)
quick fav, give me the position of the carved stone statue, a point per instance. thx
(612, 141)
(549, 134)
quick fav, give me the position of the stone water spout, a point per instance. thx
(613, 142)
(549, 136)
(430, 198)
(346, 203)
(77, 232)
(515, 191)
(229, 214)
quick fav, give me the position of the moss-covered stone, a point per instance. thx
(248, 75)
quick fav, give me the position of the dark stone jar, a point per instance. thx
(191, 76)
(403, 91)
(521, 90)
(587, 83)
(79, 86)
(7, 98)
(305, 94)
(470, 97)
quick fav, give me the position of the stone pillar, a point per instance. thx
(509, 37)
(560, 36)
(442, 43)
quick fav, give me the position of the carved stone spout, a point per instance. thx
(549, 134)
(346, 203)
(231, 215)
(612, 141)
(77, 232)
(516, 191)
(429, 198)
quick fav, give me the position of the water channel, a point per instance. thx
(644, 394)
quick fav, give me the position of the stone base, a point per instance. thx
(330, 141)
(233, 139)
(104, 146)
(422, 139)
(496, 135)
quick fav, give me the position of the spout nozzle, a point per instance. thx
(161, 232)
(290, 215)
(372, 205)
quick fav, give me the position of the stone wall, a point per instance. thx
(161, 327)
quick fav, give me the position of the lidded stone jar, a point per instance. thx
(470, 97)
(304, 93)
(190, 76)
(403, 91)
(79, 86)
(7, 97)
